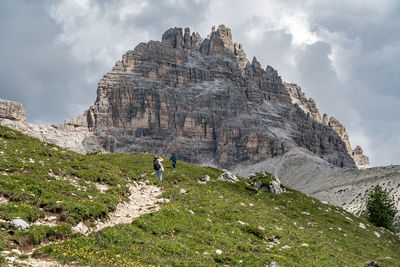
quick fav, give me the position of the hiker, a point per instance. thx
(158, 167)
(174, 159)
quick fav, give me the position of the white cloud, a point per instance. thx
(97, 32)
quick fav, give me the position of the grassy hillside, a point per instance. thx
(208, 224)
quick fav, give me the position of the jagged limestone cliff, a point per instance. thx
(309, 106)
(73, 135)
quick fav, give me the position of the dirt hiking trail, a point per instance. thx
(144, 199)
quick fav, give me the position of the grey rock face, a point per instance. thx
(73, 134)
(11, 110)
(341, 131)
(205, 100)
(309, 106)
(19, 224)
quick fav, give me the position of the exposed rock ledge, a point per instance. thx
(73, 135)
(11, 110)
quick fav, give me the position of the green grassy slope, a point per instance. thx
(210, 224)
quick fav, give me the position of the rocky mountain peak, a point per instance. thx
(220, 42)
(225, 34)
(255, 63)
(205, 100)
(73, 134)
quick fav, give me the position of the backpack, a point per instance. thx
(156, 165)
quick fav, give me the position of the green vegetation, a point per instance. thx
(263, 178)
(380, 209)
(217, 223)
(39, 179)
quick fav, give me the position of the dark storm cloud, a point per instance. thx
(34, 70)
(54, 83)
(159, 16)
(370, 34)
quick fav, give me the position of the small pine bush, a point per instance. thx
(380, 209)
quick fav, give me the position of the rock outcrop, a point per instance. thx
(11, 110)
(228, 177)
(73, 135)
(19, 224)
(273, 187)
(360, 159)
(308, 106)
(205, 100)
(341, 131)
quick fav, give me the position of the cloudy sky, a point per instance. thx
(344, 54)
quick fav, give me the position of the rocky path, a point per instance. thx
(143, 199)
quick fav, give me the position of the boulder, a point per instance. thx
(19, 224)
(228, 177)
(275, 187)
(265, 182)
(371, 264)
(16, 251)
(204, 180)
(80, 228)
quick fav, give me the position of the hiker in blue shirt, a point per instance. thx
(174, 159)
